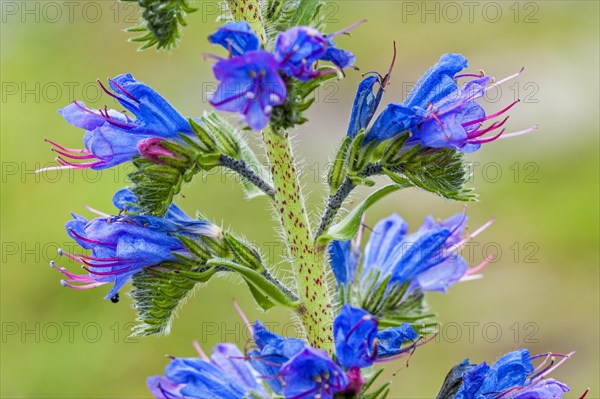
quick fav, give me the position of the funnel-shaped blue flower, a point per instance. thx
(124, 245)
(250, 85)
(112, 137)
(511, 376)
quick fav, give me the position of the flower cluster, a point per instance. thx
(437, 113)
(513, 376)
(123, 245)
(112, 137)
(252, 80)
(290, 367)
(426, 260)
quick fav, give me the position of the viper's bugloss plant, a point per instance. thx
(360, 303)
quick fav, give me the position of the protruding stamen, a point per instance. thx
(243, 316)
(198, 348)
(480, 267)
(386, 80)
(97, 212)
(81, 287)
(347, 29)
(522, 132)
(492, 116)
(585, 394)
(474, 234)
(71, 150)
(487, 140)
(506, 79)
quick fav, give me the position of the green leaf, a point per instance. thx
(263, 282)
(280, 15)
(347, 228)
(162, 21)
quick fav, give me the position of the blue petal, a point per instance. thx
(393, 120)
(354, 332)
(543, 389)
(202, 380)
(162, 388)
(112, 146)
(391, 339)
(339, 57)
(364, 106)
(154, 114)
(231, 361)
(437, 83)
(80, 118)
(386, 235)
(343, 261)
(412, 256)
(472, 382)
(297, 49)
(237, 37)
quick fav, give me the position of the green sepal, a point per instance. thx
(379, 393)
(264, 283)
(361, 153)
(339, 168)
(244, 253)
(159, 291)
(347, 228)
(204, 136)
(391, 153)
(208, 161)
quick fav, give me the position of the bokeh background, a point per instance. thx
(542, 292)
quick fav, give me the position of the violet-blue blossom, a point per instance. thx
(312, 374)
(122, 246)
(224, 375)
(112, 137)
(427, 259)
(298, 49)
(512, 376)
(250, 85)
(439, 113)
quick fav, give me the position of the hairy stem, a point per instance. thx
(244, 170)
(308, 264)
(335, 201)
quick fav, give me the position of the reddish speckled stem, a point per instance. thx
(308, 263)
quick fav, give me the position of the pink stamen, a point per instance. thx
(347, 29)
(478, 133)
(128, 94)
(243, 316)
(557, 365)
(80, 278)
(111, 273)
(479, 267)
(474, 234)
(114, 95)
(198, 348)
(487, 117)
(72, 156)
(71, 150)
(506, 79)
(81, 287)
(84, 165)
(531, 129)
(585, 394)
(488, 140)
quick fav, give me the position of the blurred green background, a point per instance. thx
(542, 292)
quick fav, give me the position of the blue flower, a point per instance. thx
(354, 332)
(237, 37)
(112, 137)
(225, 375)
(511, 376)
(298, 49)
(312, 374)
(250, 85)
(427, 259)
(439, 113)
(124, 245)
(273, 351)
(359, 343)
